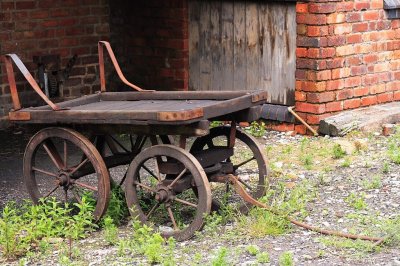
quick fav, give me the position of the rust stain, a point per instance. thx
(19, 116)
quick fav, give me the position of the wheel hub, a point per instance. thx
(64, 179)
(163, 194)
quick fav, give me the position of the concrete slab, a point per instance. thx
(365, 119)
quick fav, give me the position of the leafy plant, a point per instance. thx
(373, 183)
(263, 257)
(286, 259)
(110, 231)
(221, 259)
(256, 129)
(385, 168)
(253, 250)
(338, 152)
(357, 202)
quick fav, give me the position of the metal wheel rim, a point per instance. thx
(251, 142)
(201, 182)
(83, 144)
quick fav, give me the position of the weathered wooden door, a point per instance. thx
(243, 45)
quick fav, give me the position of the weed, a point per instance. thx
(110, 231)
(117, 209)
(253, 250)
(256, 129)
(338, 152)
(216, 124)
(304, 142)
(286, 259)
(307, 160)
(394, 147)
(385, 168)
(358, 245)
(221, 258)
(263, 257)
(373, 183)
(346, 162)
(357, 202)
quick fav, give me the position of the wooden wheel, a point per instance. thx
(62, 163)
(248, 162)
(159, 191)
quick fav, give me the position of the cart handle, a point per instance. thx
(8, 58)
(101, 46)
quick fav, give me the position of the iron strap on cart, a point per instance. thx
(179, 168)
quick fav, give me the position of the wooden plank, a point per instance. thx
(205, 52)
(290, 66)
(194, 43)
(226, 45)
(252, 46)
(267, 45)
(215, 46)
(75, 102)
(19, 116)
(174, 95)
(239, 46)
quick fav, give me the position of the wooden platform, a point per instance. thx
(147, 108)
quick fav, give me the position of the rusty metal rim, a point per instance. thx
(91, 153)
(251, 142)
(192, 165)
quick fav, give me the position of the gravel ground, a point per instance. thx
(333, 180)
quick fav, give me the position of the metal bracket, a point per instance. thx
(107, 45)
(8, 58)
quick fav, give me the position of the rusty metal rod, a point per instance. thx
(242, 192)
(290, 109)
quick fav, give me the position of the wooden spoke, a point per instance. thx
(65, 155)
(85, 185)
(171, 216)
(186, 202)
(151, 172)
(152, 210)
(158, 169)
(51, 191)
(177, 178)
(144, 186)
(44, 172)
(53, 154)
(79, 166)
(78, 199)
(235, 167)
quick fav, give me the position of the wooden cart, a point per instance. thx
(178, 167)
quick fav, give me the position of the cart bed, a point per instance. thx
(150, 108)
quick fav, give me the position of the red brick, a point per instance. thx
(358, 70)
(322, 97)
(322, 8)
(335, 63)
(7, 5)
(315, 19)
(336, 84)
(371, 15)
(345, 50)
(310, 108)
(311, 86)
(376, 4)
(300, 129)
(362, 5)
(377, 88)
(385, 97)
(314, 31)
(370, 58)
(362, 91)
(353, 38)
(360, 27)
(396, 95)
(25, 4)
(393, 86)
(340, 73)
(345, 6)
(351, 104)
(301, 7)
(352, 82)
(336, 18)
(353, 17)
(336, 40)
(301, 52)
(334, 106)
(300, 96)
(369, 100)
(353, 61)
(344, 94)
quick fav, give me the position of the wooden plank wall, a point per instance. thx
(243, 45)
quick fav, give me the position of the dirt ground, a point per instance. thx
(366, 174)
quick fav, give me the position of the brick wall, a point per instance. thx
(60, 27)
(150, 39)
(348, 56)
